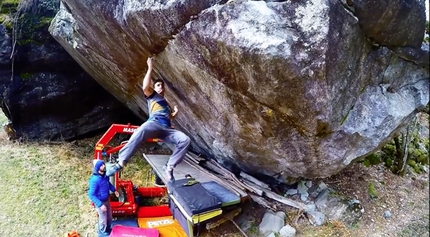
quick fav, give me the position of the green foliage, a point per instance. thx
(10, 2)
(9, 6)
(253, 229)
(374, 159)
(389, 162)
(346, 116)
(366, 162)
(371, 190)
(389, 149)
(25, 75)
(426, 36)
(29, 18)
(418, 155)
(427, 109)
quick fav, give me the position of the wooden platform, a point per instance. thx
(157, 162)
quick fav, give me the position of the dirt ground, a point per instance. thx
(406, 198)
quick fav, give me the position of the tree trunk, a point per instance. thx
(402, 148)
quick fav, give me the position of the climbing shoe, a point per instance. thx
(169, 173)
(117, 167)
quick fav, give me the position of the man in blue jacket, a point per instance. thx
(98, 192)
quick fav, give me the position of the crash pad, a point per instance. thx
(166, 226)
(126, 231)
(125, 221)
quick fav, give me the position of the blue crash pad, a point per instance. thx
(223, 194)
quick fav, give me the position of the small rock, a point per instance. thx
(272, 235)
(310, 207)
(287, 231)
(387, 214)
(316, 218)
(322, 185)
(304, 196)
(272, 222)
(353, 201)
(281, 214)
(308, 184)
(291, 192)
(321, 200)
(302, 187)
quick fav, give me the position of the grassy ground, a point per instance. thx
(43, 187)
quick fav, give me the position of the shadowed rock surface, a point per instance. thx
(280, 88)
(45, 94)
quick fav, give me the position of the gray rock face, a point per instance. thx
(280, 88)
(392, 22)
(5, 47)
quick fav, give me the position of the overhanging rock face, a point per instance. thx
(281, 88)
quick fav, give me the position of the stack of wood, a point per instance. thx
(245, 187)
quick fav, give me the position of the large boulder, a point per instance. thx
(280, 88)
(45, 94)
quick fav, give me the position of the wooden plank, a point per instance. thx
(254, 188)
(228, 185)
(260, 200)
(253, 180)
(284, 200)
(157, 162)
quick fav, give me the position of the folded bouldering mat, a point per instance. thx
(191, 204)
(127, 231)
(192, 196)
(125, 221)
(153, 211)
(166, 226)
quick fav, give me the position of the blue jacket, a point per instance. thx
(99, 187)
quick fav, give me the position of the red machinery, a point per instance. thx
(129, 206)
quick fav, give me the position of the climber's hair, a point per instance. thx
(159, 80)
